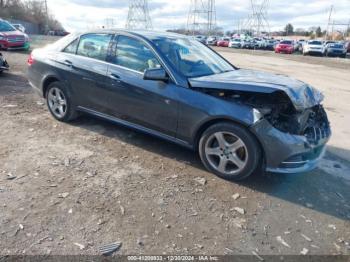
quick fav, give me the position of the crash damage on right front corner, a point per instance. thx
(293, 126)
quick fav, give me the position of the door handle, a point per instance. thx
(68, 63)
(114, 76)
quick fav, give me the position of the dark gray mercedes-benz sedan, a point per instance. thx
(173, 87)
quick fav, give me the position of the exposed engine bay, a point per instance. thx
(278, 109)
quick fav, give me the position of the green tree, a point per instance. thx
(289, 29)
(318, 32)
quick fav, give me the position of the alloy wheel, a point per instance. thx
(57, 102)
(226, 153)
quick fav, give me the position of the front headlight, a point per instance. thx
(2, 37)
(26, 38)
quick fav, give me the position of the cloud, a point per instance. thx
(166, 14)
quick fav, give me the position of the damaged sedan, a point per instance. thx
(173, 87)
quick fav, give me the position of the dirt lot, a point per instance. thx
(70, 188)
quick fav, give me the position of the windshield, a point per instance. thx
(336, 45)
(315, 43)
(6, 27)
(286, 42)
(191, 58)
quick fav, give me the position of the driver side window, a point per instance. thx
(133, 54)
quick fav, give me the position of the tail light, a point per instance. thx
(30, 60)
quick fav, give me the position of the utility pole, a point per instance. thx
(329, 22)
(46, 17)
(332, 23)
(202, 17)
(138, 15)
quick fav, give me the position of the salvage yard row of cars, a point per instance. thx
(312, 47)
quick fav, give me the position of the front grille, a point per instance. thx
(318, 127)
(15, 39)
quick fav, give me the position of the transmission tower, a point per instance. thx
(138, 16)
(332, 24)
(257, 21)
(202, 17)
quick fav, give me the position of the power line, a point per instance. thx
(138, 15)
(333, 23)
(202, 17)
(257, 21)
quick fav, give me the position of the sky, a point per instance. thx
(77, 15)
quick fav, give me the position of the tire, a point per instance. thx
(61, 92)
(246, 152)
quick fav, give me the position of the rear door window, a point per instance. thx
(133, 54)
(94, 46)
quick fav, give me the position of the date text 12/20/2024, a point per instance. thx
(173, 258)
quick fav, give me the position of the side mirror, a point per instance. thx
(156, 74)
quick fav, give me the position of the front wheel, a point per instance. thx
(60, 103)
(229, 151)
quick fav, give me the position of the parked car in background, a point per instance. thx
(314, 47)
(259, 43)
(171, 86)
(58, 33)
(3, 64)
(11, 38)
(247, 44)
(347, 44)
(336, 49)
(20, 27)
(224, 42)
(212, 40)
(235, 43)
(270, 44)
(300, 43)
(201, 38)
(285, 46)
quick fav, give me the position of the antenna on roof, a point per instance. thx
(138, 15)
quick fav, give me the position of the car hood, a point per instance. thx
(301, 95)
(315, 46)
(12, 33)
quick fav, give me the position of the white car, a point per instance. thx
(235, 43)
(314, 47)
(20, 27)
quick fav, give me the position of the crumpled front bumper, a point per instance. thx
(288, 153)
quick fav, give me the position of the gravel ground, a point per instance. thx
(70, 188)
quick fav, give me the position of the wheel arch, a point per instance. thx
(204, 126)
(47, 82)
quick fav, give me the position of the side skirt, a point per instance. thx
(135, 127)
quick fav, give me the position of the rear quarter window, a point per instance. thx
(94, 46)
(72, 47)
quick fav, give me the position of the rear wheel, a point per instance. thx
(60, 103)
(229, 151)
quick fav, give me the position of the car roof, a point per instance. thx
(140, 33)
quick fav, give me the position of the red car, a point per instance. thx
(223, 42)
(11, 38)
(285, 46)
